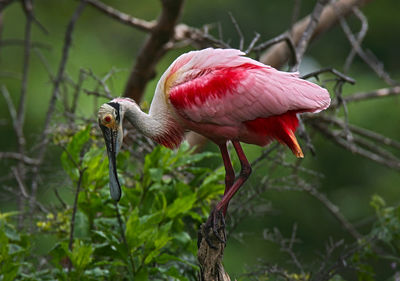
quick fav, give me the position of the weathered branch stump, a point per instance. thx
(210, 254)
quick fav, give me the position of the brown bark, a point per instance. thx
(153, 49)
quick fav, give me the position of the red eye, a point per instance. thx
(107, 119)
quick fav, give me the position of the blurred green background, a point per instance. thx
(100, 44)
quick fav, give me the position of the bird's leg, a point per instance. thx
(216, 220)
(229, 172)
(244, 175)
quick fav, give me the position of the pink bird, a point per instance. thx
(223, 96)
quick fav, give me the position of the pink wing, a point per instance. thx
(222, 87)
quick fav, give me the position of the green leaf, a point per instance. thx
(181, 205)
(132, 225)
(81, 225)
(81, 255)
(156, 174)
(142, 275)
(70, 158)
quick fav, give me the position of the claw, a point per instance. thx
(216, 223)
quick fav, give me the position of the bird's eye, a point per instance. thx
(107, 119)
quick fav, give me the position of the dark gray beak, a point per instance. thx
(111, 140)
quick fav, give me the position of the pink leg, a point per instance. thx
(229, 172)
(216, 220)
(244, 175)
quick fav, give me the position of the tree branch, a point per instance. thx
(364, 96)
(277, 55)
(153, 49)
(18, 156)
(308, 32)
(122, 17)
(44, 136)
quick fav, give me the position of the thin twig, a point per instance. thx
(356, 149)
(45, 63)
(253, 43)
(278, 54)
(238, 30)
(333, 209)
(20, 183)
(309, 31)
(122, 17)
(378, 138)
(280, 38)
(365, 96)
(360, 37)
(74, 209)
(339, 74)
(77, 91)
(369, 59)
(10, 106)
(44, 136)
(27, 4)
(23, 191)
(64, 205)
(18, 156)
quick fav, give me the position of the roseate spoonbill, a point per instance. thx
(224, 96)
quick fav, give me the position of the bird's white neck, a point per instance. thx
(145, 123)
(156, 125)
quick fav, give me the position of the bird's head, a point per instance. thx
(110, 121)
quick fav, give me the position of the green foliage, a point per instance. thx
(13, 248)
(384, 237)
(150, 234)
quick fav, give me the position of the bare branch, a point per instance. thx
(378, 138)
(340, 75)
(23, 189)
(10, 105)
(370, 59)
(252, 43)
(199, 38)
(18, 156)
(24, 84)
(385, 92)
(306, 37)
(153, 49)
(122, 17)
(44, 136)
(20, 183)
(360, 37)
(64, 205)
(239, 32)
(364, 96)
(333, 209)
(282, 39)
(279, 53)
(97, 94)
(338, 139)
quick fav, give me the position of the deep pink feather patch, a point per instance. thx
(208, 84)
(276, 127)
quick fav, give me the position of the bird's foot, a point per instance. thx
(213, 230)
